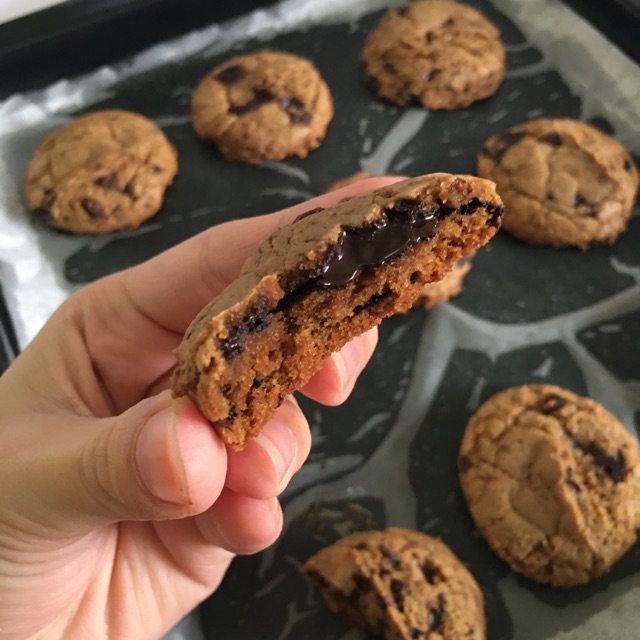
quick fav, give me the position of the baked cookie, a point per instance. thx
(104, 171)
(441, 55)
(313, 285)
(433, 292)
(564, 182)
(399, 584)
(552, 481)
(263, 105)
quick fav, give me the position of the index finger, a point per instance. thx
(172, 288)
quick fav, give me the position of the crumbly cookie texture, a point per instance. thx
(263, 105)
(313, 285)
(433, 292)
(552, 481)
(102, 172)
(441, 55)
(399, 584)
(563, 182)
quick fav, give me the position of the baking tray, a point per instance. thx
(527, 314)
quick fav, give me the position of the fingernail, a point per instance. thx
(347, 361)
(159, 460)
(280, 445)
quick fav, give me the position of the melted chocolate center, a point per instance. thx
(405, 223)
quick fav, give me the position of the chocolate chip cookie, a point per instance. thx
(399, 584)
(564, 182)
(432, 293)
(552, 481)
(263, 105)
(441, 55)
(313, 285)
(104, 171)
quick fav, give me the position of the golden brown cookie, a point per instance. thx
(104, 171)
(433, 292)
(263, 105)
(552, 481)
(399, 584)
(564, 182)
(313, 285)
(441, 55)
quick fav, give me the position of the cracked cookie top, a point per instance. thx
(552, 481)
(104, 171)
(441, 55)
(563, 182)
(263, 105)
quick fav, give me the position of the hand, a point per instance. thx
(120, 508)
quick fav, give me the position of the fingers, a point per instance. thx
(158, 460)
(265, 466)
(335, 381)
(193, 272)
(241, 524)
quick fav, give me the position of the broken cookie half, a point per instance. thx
(315, 284)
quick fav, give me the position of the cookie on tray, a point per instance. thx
(441, 55)
(102, 172)
(552, 481)
(262, 106)
(314, 284)
(563, 182)
(433, 292)
(399, 584)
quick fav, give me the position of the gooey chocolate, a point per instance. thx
(406, 222)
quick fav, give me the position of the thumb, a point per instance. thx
(158, 460)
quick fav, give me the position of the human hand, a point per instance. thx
(120, 507)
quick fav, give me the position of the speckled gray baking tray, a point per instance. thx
(387, 457)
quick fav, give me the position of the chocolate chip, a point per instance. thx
(372, 301)
(627, 164)
(372, 82)
(362, 586)
(306, 214)
(260, 97)
(549, 195)
(551, 403)
(110, 182)
(579, 200)
(361, 546)
(498, 145)
(295, 110)
(397, 591)
(393, 559)
(428, 37)
(447, 23)
(403, 11)
(257, 383)
(613, 466)
(129, 190)
(431, 572)
(231, 75)
(48, 199)
(436, 614)
(224, 389)
(156, 169)
(570, 482)
(415, 633)
(93, 208)
(552, 138)
(431, 74)
(390, 68)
